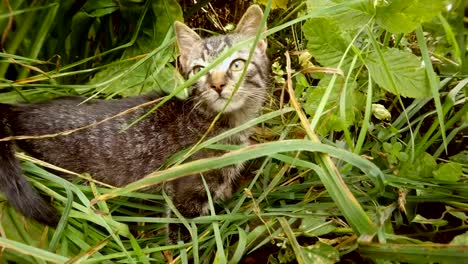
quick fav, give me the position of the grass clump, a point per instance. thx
(361, 150)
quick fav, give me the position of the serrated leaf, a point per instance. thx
(355, 17)
(406, 70)
(450, 171)
(325, 43)
(404, 16)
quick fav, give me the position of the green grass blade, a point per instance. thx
(419, 253)
(220, 255)
(241, 246)
(59, 231)
(244, 154)
(367, 116)
(433, 82)
(300, 258)
(32, 251)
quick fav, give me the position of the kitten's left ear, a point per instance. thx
(186, 39)
(249, 23)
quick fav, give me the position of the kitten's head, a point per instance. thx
(214, 89)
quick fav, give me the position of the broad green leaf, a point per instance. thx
(450, 171)
(314, 95)
(353, 17)
(300, 85)
(331, 121)
(33, 95)
(166, 13)
(461, 240)
(404, 68)
(365, 6)
(155, 74)
(325, 42)
(316, 226)
(320, 253)
(404, 16)
(421, 167)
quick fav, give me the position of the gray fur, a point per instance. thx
(118, 158)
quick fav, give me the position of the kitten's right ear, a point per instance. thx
(249, 23)
(186, 39)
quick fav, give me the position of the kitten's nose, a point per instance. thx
(217, 81)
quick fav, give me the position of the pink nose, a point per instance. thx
(217, 81)
(218, 87)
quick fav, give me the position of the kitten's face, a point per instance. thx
(214, 89)
(218, 85)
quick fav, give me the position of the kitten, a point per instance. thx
(119, 158)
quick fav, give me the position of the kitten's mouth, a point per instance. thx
(224, 99)
(221, 100)
(218, 101)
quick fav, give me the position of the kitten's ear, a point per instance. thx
(249, 23)
(186, 39)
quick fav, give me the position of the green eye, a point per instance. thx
(237, 65)
(196, 69)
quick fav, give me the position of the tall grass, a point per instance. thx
(333, 175)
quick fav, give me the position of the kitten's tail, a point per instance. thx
(14, 185)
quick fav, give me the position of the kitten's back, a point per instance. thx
(107, 151)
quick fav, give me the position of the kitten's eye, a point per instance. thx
(196, 69)
(237, 65)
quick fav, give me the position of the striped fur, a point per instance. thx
(118, 158)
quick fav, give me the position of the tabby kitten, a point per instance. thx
(118, 158)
